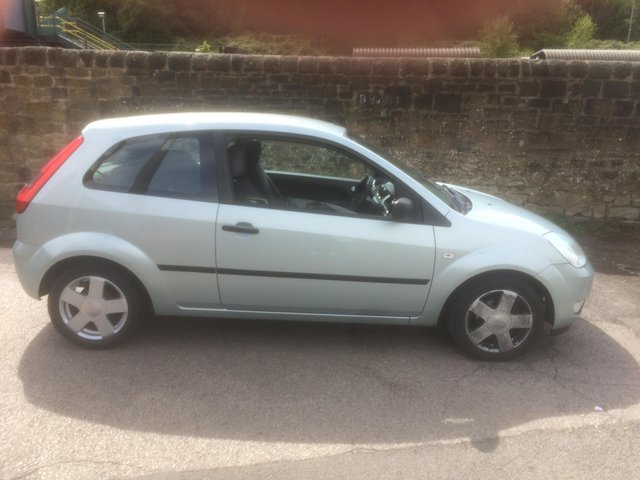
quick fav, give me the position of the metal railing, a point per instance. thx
(78, 34)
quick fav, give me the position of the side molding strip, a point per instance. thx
(305, 276)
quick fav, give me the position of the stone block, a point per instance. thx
(439, 67)
(591, 88)
(529, 89)
(622, 70)
(86, 58)
(615, 89)
(448, 103)
(158, 60)
(486, 87)
(553, 88)
(42, 81)
(219, 63)
(459, 67)
(476, 67)
(386, 67)
(58, 93)
(414, 67)
(507, 88)
(594, 106)
(136, 60)
(237, 62)
(423, 102)
(598, 210)
(599, 70)
(252, 64)
(360, 66)
(272, 64)
(199, 62)
(117, 59)
(622, 108)
(433, 85)
(627, 213)
(539, 103)
(508, 68)
(179, 62)
(9, 56)
(101, 59)
(558, 68)
(539, 68)
(33, 56)
(22, 80)
(398, 96)
(578, 69)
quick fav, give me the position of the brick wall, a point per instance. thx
(554, 136)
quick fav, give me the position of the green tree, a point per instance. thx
(612, 18)
(498, 39)
(545, 23)
(582, 33)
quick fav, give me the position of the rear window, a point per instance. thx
(175, 165)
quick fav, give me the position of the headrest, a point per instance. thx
(237, 162)
(252, 152)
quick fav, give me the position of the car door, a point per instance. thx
(314, 255)
(158, 194)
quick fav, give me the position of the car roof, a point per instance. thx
(176, 122)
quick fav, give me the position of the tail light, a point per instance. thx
(29, 191)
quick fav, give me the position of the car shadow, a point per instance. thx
(321, 383)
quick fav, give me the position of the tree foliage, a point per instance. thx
(612, 18)
(582, 33)
(545, 23)
(528, 27)
(498, 39)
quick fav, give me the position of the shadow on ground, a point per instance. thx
(322, 383)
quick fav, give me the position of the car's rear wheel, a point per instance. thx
(95, 306)
(497, 319)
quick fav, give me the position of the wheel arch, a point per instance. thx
(549, 309)
(56, 269)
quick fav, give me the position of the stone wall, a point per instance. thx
(554, 136)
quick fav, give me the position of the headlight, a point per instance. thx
(568, 248)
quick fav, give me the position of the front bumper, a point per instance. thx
(569, 288)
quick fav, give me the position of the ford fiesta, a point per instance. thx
(261, 216)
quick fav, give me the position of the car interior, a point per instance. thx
(291, 185)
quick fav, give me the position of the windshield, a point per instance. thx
(451, 197)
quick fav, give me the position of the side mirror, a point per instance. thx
(401, 208)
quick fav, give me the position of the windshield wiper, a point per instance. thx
(458, 200)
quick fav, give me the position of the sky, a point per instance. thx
(368, 21)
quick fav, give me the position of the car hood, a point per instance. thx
(497, 212)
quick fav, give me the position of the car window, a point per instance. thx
(179, 169)
(161, 165)
(119, 168)
(311, 159)
(294, 174)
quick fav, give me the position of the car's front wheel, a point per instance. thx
(94, 306)
(497, 319)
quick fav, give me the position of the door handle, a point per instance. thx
(241, 227)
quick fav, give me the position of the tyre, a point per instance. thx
(95, 306)
(497, 319)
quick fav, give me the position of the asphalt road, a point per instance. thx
(229, 400)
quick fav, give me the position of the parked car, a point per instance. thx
(242, 215)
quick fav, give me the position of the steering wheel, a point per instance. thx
(362, 191)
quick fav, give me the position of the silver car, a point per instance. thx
(275, 217)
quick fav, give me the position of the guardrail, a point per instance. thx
(78, 34)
